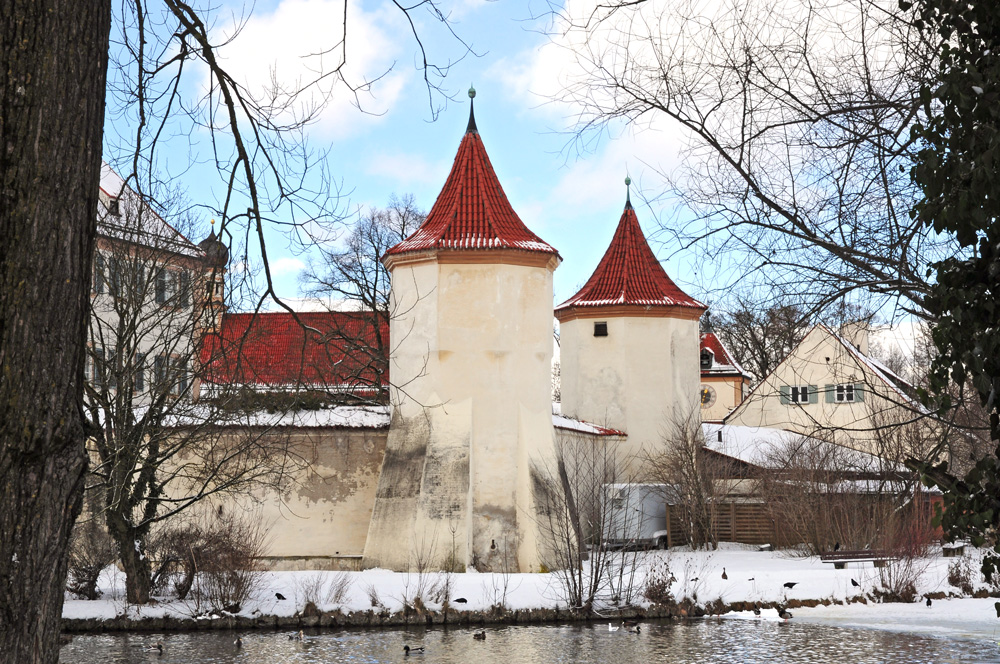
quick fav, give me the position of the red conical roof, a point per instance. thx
(630, 275)
(472, 212)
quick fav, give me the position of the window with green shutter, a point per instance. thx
(844, 393)
(799, 394)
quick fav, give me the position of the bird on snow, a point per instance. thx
(790, 584)
(724, 575)
(836, 546)
(279, 596)
(479, 636)
(612, 628)
(407, 650)
(756, 609)
(928, 602)
(784, 613)
(461, 600)
(855, 583)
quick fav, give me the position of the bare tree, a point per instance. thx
(823, 494)
(351, 277)
(581, 505)
(760, 336)
(155, 450)
(55, 56)
(689, 479)
(795, 118)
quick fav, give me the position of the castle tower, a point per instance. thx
(471, 337)
(214, 279)
(629, 346)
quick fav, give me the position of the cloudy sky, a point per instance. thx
(570, 194)
(395, 138)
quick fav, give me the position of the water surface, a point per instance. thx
(696, 642)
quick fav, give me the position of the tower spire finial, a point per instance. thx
(471, 129)
(628, 192)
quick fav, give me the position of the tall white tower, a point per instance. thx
(629, 345)
(471, 338)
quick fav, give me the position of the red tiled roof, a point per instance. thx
(724, 362)
(472, 211)
(337, 351)
(629, 274)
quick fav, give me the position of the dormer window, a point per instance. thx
(707, 359)
(600, 329)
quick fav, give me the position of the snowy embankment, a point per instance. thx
(731, 575)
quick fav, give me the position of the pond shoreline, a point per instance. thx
(312, 618)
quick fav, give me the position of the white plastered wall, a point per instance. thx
(640, 378)
(471, 361)
(822, 361)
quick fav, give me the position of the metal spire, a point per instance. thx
(471, 129)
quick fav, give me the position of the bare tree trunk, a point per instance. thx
(53, 59)
(132, 554)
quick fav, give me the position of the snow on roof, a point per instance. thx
(340, 417)
(336, 417)
(570, 424)
(472, 210)
(771, 449)
(723, 363)
(136, 221)
(629, 274)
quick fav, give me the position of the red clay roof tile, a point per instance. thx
(274, 350)
(724, 363)
(472, 211)
(629, 274)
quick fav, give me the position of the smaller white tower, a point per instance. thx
(629, 345)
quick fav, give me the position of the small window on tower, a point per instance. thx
(600, 329)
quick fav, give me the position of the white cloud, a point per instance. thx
(286, 266)
(297, 43)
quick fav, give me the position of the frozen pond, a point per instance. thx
(696, 642)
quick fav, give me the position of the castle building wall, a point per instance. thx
(472, 351)
(642, 378)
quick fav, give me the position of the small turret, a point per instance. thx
(216, 253)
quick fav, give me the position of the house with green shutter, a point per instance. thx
(830, 388)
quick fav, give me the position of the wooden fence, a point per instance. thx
(748, 523)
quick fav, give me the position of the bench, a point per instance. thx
(954, 550)
(841, 558)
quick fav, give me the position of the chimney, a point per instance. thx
(857, 334)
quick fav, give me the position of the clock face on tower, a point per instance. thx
(707, 395)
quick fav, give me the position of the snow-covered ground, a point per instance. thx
(751, 575)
